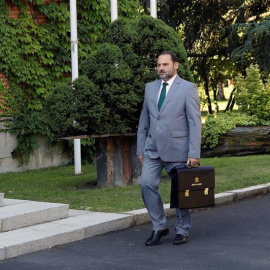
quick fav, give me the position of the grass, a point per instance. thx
(60, 185)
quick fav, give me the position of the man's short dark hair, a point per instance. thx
(173, 55)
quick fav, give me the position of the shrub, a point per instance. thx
(108, 95)
(60, 109)
(252, 95)
(29, 125)
(216, 125)
(88, 100)
(122, 66)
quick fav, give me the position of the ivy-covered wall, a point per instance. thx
(14, 13)
(35, 57)
(35, 45)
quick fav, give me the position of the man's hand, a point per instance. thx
(141, 159)
(192, 162)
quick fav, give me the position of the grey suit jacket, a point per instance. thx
(174, 132)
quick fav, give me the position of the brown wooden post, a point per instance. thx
(116, 161)
(126, 159)
(110, 159)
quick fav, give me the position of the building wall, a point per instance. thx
(14, 12)
(46, 156)
(4, 79)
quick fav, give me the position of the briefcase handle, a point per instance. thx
(189, 165)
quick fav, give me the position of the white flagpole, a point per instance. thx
(153, 8)
(114, 10)
(75, 75)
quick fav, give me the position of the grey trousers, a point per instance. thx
(151, 176)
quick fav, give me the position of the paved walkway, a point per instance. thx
(232, 236)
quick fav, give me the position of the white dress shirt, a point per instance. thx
(169, 82)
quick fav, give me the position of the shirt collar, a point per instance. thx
(169, 82)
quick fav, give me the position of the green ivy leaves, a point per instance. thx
(36, 60)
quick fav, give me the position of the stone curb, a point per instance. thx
(85, 224)
(141, 216)
(48, 235)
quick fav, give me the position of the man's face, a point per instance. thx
(165, 67)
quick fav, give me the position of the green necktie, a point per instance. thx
(162, 95)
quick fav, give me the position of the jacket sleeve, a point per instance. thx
(194, 122)
(143, 128)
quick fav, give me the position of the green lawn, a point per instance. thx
(80, 192)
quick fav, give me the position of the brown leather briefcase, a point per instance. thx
(193, 187)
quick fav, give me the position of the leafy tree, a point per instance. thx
(250, 43)
(252, 95)
(205, 27)
(199, 24)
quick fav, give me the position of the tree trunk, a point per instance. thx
(220, 92)
(206, 87)
(231, 101)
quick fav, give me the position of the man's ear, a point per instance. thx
(176, 65)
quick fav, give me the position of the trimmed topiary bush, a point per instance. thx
(109, 93)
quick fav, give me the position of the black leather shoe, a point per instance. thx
(155, 237)
(180, 239)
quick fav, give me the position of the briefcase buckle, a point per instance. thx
(206, 191)
(187, 193)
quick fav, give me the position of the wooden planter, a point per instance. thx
(116, 160)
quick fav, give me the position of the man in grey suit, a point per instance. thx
(169, 136)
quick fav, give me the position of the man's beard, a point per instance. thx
(166, 76)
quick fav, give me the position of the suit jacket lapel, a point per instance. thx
(172, 90)
(155, 95)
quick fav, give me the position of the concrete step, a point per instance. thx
(1, 199)
(79, 225)
(16, 214)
